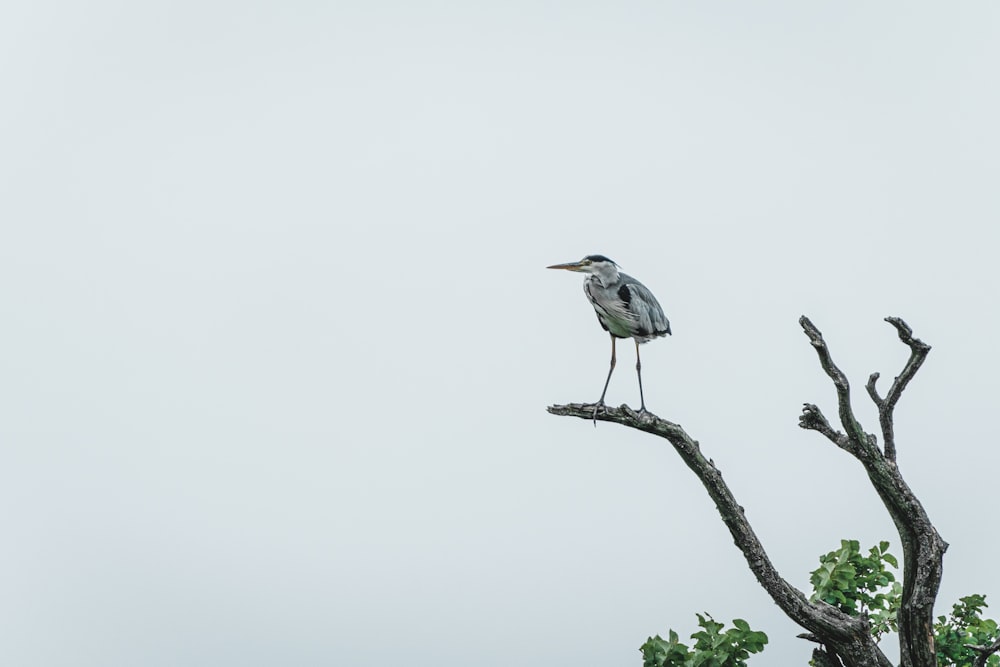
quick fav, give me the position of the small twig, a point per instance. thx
(813, 419)
(872, 391)
(918, 352)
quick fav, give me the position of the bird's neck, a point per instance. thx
(605, 275)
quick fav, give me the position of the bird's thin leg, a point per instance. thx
(638, 372)
(606, 382)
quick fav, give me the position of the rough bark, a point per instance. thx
(846, 640)
(823, 658)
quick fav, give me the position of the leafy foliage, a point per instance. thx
(965, 626)
(712, 646)
(860, 585)
(855, 583)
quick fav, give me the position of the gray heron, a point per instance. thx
(625, 308)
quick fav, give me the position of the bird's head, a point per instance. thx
(595, 265)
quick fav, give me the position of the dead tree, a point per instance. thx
(844, 640)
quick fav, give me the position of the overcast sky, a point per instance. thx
(278, 337)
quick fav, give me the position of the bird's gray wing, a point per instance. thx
(649, 317)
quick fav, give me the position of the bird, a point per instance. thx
(625, 308)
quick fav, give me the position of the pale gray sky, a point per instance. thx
(278, 337)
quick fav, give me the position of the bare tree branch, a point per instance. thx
(862, 444)
(984, 652)
(848, 636)
(918, 352)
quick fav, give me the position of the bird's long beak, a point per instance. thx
(571, 266)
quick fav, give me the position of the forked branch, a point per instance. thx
(860, 442)
(918, 352)
(923, 548)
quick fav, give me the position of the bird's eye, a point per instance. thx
(587, 262)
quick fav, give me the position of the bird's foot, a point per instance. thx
(597, 406)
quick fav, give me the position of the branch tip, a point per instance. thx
(872, 391)
(906, 334)
(810, 329)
